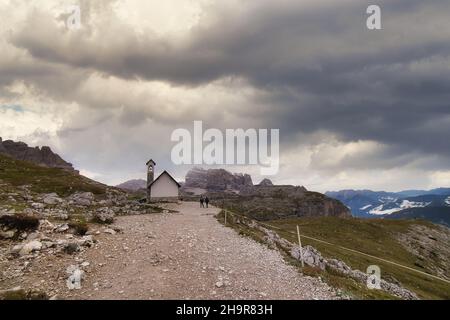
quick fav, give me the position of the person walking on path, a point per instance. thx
(201, 202)
(207, 201)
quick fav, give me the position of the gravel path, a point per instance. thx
(189, 255)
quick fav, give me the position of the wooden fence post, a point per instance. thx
(300, 244)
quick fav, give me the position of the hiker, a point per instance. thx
(207, 201)
(201, 202)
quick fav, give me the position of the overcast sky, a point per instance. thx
(356, 108)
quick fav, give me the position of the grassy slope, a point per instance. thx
(375, 237)
(45, 180)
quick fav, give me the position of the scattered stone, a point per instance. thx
(105, 217)
(37, 205)
(30, 247)
(82, 198)
(52, 199)
(7, 234)
(109, 231)
(62, 228)
(33, 236)
(71, 248)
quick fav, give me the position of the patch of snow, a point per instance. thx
(406, 204)
(387, 199)
(365, 207)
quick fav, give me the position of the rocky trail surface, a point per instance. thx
(188, 255)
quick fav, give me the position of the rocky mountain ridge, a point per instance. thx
(264, 201)
(216, 180)
(43, 156)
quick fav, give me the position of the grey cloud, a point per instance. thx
(317, 69)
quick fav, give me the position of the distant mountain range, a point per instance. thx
(133, 185)
(432, 205)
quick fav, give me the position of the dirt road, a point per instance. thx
(189, 255)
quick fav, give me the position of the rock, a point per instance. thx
(48, 244)
(30, 247)
(37, 205)
(46, 225)
(110, 231)
(86, 241)
(219, 284)
(16, 249)
(7, 234)
(33, 236)
(82, 198)
(71, 248)
(29, 211)
(52, 199)
(62, 228)
(106, 217)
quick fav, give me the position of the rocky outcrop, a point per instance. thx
(264, 201)
(266, 183)
(215, 180)
(278, 202)
(42, 156)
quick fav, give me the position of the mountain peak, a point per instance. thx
(43, 156)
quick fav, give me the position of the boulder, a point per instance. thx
(30, 247)
(82, 198)
(62, 228)
(51, 199)
(71, 248)
(109, 231)
(7, 234)
(104, 216)
(311, 256)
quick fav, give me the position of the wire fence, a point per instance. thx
(226, 211)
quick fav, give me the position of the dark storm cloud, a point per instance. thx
(320, 68)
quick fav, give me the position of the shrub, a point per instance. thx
(20, 222)
(80, 228)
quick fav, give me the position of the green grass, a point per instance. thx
(374, 237)
(45, 180)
